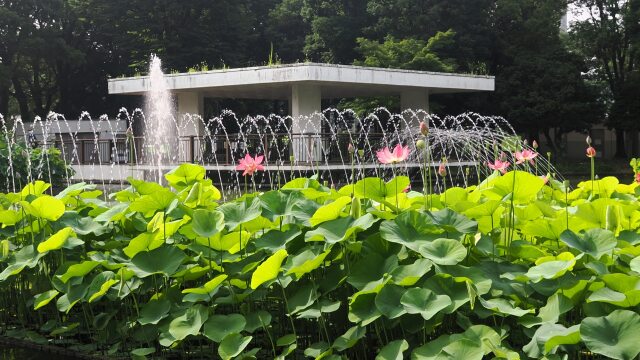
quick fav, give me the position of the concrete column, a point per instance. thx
(305, 104)
(415, 100)
(190, 107)
(190, 111)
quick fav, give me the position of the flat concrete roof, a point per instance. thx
(335, 81)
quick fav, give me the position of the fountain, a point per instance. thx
(160, 130)
(146, 144)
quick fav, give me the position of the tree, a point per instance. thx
(611, 35)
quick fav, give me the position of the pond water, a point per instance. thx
(9, 352)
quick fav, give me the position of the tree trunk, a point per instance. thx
(4, 102)
(22, 99)
(550, 142)
(621, 152)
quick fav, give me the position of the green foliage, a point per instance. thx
(507, 269)
(45, 164)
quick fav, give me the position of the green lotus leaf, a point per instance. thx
(522, 189)
(594, 242)
(408, 275)
(452, 222)
(74, 294)
(340, 229)
(443, 284)
(188, 323)
(82, 225)
(36, 188)
(155, 201)
(232, 345)
(44, 298)
(393, 350)
(614, 336)
(276, 204)
(257, 320)
(570, 336)
(370, 268)
(243, 211)
(552, 267)
(100, 285)
(503, 306)
(318, 308)
(208, 287)
(143, 242)
(303, 297)
(9, 217)
(47, 207)
(349, 338)
(142, 352)
(329, 211)
(207, 223)
(55, 241)
(549, 336)
(424, 302)
(154, 311)
(376, 189)
(163, 260)
(219, 326)
(306, 262)
(80, 269)
(269, 269)
(410, 229)
(275, 240)
(362, 309)
(443, 251)
(184, 175)
(23, 258)
(388, 301)
(232, 242)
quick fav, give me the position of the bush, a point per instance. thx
(28, 164)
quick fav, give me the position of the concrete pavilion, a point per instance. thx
(304, 86)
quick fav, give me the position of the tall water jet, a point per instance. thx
(160, 133)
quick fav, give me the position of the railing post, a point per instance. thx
(192, 147)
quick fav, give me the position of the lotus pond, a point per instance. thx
(514, 267)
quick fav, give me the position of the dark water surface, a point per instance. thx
(9, 352)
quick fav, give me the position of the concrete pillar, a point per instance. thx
(190, 112)
(305, 104)
(415, 100)
(190, 106)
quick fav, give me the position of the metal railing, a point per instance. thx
(220, 149)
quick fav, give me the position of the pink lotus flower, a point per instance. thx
(638, 178)
(400, 153)
(591, 152)
(250, 165)
(525, 155)
(499, 165)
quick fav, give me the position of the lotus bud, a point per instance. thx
(525, 142)
(534, 144)
(360, 152)
(421, 144)
(591, 152)
(638, 178)
(588, 140)
(424, 128)
(351, 149)
(442, 169)
(355, 208)
(566, 184)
